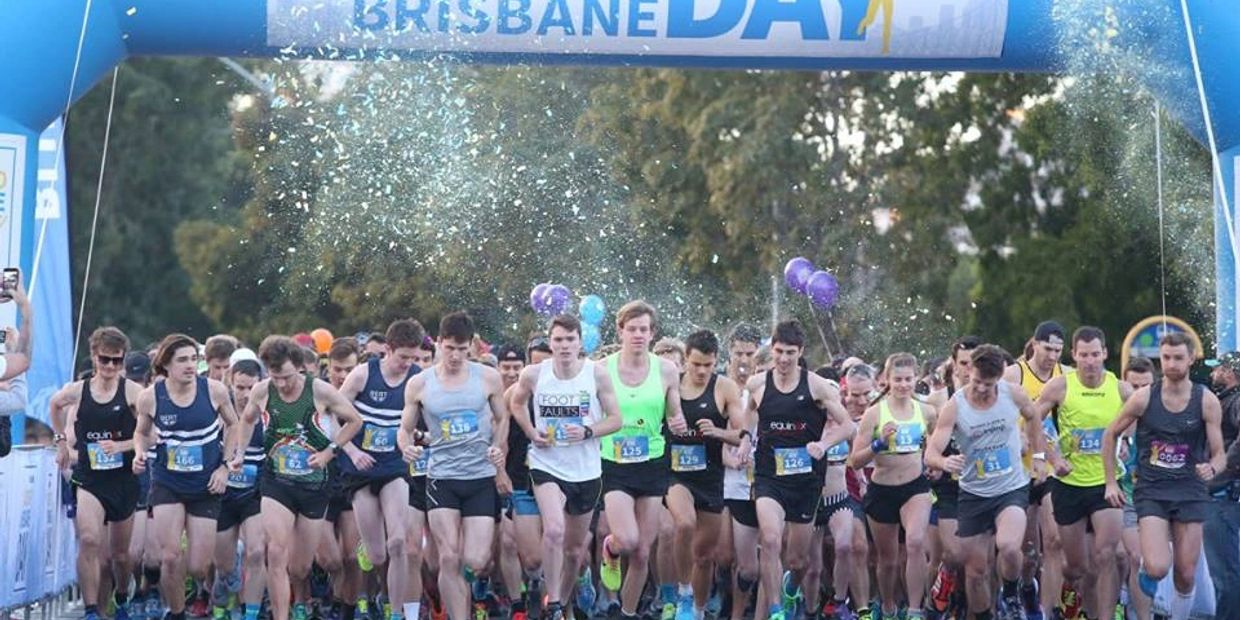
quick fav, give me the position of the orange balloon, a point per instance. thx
(322, 340)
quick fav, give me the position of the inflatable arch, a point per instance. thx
(52, 51)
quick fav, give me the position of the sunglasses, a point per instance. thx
(105, 360)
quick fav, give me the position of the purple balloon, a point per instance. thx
(823, 289)
(538, 297)
(557, 299)
(797, 273)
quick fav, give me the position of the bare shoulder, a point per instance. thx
(726, 385)
(822, 388)
(1011, 374)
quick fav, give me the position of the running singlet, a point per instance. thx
(640, 439)
(991, 442)
(1170, 445)
(693, 453)
(1033, 386)
(295, 431)
(566, 401)
(738, 483)
(96, 422)
(244, 482)
(1084, 415)
(189, 440)
(380, 406)
(459, 422)
(910, 434)
(786, 423)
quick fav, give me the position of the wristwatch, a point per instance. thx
(334, 447)
(58, 438)
(589, 432)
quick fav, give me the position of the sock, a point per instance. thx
(251, 611)
(121, 597)
(395, 615)
(219, 592)
(667, 592)
(412, 610)
(685, 590)
(1011, 588)
(1181, 604)
(92, 609)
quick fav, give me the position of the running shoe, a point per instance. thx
(154, 608)
(300, 612)
(941, 591)
(609, 569)
(534, 599)
(122, 612)
(1029, 594)
(587, 594)
(790, 594)
(219, 613)
(199, 607)
(1070, 602)
(668, 611)
(1011, 608)
(684, 607)
(1148, 584)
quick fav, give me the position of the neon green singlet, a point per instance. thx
(641, 437)
(1084, 414)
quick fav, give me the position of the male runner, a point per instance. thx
(191, 415)
(1087, 400)
(520, 552)
(373, 468)
(1139, 373)
(792, 407)
(239, 510)
(574, 405)
(217, 352)
(100, 420)
(467, 419)
(712, 408)
(984, 418)
(298, 413)
(635, 466)
(1177, 423)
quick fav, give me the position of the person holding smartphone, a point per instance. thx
(17, 355)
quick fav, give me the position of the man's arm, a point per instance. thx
(233, 441)
(335, 403)
(1132, 410)
(145, 410)
(671, 392)
(355, 382)
(1212, 414)
(519, 402)
(13, 396)
(499, 410)
(863, 452)
(406, 439)
(944, 425)
(612, 419)
(17, 359)
(827, 397)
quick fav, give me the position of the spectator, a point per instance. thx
(1221, 531)
(18, 344)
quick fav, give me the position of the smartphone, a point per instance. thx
(8, 282)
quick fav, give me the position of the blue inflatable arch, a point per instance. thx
(52, 51)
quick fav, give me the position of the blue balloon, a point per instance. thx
(592, 310)
(590, 338)
(797, 273)
(823, 289)
(557, 299)
(537, 297)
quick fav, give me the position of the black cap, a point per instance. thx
(1046, 329)
(137, 366)
(539, 343)
(508, 353)
(1230, 359)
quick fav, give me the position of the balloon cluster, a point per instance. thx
(551, 299)
(821, 287)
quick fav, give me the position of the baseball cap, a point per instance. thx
(508, 353)
(137, 366)
(539, 343)
(242, 354)
(1231, 359)
(1046, 329)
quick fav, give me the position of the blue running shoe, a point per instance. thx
(1148, 584)
(587, 595)
(684, 607)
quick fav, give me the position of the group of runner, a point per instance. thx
(549, 484)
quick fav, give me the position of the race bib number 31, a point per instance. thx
(792, 461)
(185, 459)
(1168, 455)
(102, 461)
(632, 449)
(688, 458)
(993, 462)
(379, 438)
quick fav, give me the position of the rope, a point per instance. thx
(64, 122)
(1218, 170)
(94, 223)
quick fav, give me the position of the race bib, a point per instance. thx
(419, 465)
(556, 430)
(688, 458)
(993, 462)
(631, 449)
(184, 459)
(244, 479)
(1087, 440)
(792, 461)
(292, 460)
(838, 453)
(907, 439)
(379, 438)
(1048, 429)
(1168, 455)
(460, 426)
(102, 461)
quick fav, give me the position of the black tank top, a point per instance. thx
(95, 422)
(516, 463)
(786, 422)
(1170, 445)
(687, 448)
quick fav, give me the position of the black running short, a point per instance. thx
(883, 502)
(705, 487)
(1070, 503)
(828, 505)
(202, 505)
(797, 495)
(309, 501)
(235, 509)
(637, 480)
(579, 497)
(118, 496)
(743, 511)
(977, 514)
(417, 493)
(473, 498)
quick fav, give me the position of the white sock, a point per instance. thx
(412, 609)
(1181, 605)
(685, 590)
